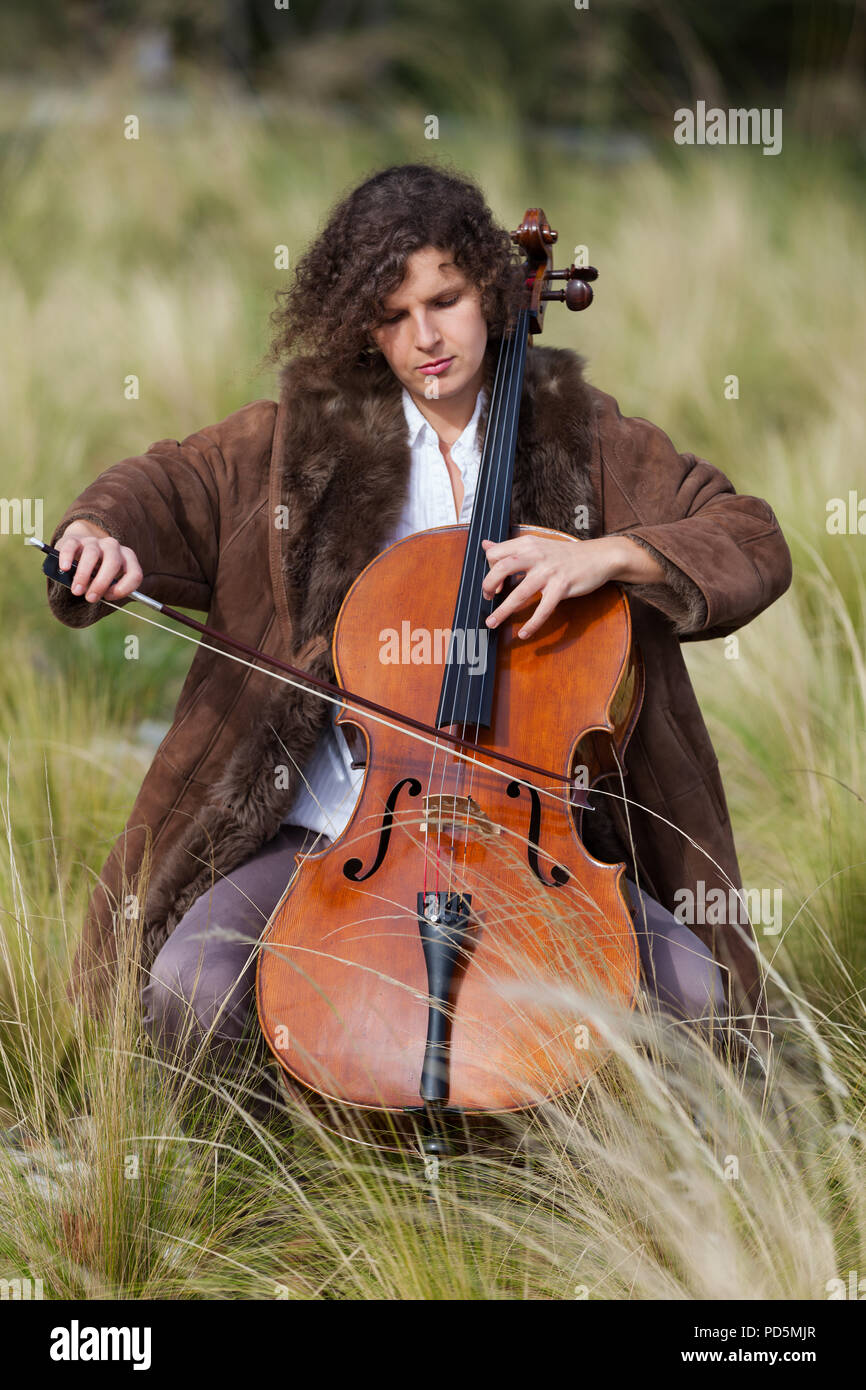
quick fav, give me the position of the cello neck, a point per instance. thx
(467, 686)
(492, 509)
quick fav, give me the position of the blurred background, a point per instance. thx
(573, 69)
(157, 257)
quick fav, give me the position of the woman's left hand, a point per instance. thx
(559, 569)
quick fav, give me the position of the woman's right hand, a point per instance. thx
(105, 567)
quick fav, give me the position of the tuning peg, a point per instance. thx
(574, 272)
(577, 295)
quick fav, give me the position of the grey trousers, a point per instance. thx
(200, 989)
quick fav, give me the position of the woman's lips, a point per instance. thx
(436, 368)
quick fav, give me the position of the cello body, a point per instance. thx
(351, 995)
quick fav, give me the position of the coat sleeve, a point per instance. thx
(723, 553)
(164, 505)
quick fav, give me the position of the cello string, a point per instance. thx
(500, 500)
(469, 589)
(463, 593)
(474, 598)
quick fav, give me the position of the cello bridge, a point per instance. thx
(458, 816)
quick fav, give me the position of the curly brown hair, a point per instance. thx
(341, 282)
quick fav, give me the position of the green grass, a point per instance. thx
(156, 258)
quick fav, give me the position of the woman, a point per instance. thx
(390, 331)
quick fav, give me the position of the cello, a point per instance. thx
(426, 963)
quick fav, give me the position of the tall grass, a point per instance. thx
(668, 1175)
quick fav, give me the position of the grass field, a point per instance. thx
(155, 258)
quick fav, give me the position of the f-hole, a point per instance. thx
(352, 867)
(558, 876)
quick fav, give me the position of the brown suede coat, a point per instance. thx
(263, 521)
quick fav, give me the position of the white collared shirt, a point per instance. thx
(327, 799)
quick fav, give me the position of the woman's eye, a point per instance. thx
(440, 304)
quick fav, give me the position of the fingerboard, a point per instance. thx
(466, 698)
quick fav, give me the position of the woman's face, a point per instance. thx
(433, 334)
